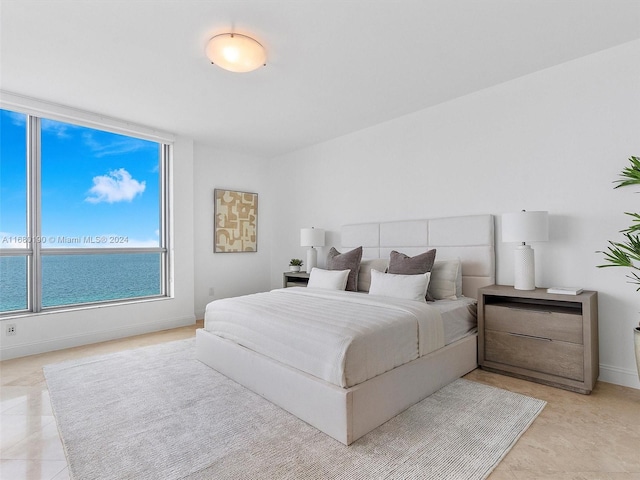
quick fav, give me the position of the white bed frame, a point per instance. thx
(346, 414)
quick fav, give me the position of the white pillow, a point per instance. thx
(328, 279)
(364, 276)
(446, 280)
(412, 287)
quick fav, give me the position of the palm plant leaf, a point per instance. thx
(630, 175)
(635, 225)
(622, 255)
(627, 252)
(631, 246)
(615, 256)
(634, 279)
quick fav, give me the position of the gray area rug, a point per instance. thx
(158, 413)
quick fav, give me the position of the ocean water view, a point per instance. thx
(74, 279)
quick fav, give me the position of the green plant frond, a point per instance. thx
(615, 258)
(635, 279)
(635, 226)
(630, 175)
(623, 254)
(627, 252)
(630, 248)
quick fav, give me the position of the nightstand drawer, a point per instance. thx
(537, 354)
(535, 322)
(295, 279)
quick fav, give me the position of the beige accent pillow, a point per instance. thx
(364, 275)
(446, 280)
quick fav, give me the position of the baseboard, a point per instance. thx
(619, 376)
(34, 348)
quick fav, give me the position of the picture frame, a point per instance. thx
(235, 221)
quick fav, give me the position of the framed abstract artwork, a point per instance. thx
(235, 221)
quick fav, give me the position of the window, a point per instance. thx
(83, 215)
(13, 208)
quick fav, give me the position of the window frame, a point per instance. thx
(35, 250)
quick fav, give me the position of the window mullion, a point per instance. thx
(34, 223)
(165, 201)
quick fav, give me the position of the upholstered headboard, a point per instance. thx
(470, 238)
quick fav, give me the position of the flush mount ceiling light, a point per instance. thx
(236, 52)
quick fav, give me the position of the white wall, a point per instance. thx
(52, 331)
(229, 274)
(554, 140)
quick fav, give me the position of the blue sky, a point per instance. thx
(94, 184)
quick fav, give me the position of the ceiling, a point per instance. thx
(333, 66)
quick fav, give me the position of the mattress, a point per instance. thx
(342, 337)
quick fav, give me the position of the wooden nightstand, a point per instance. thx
(546, 338)
(295, 279)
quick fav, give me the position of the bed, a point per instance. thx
(346, 404)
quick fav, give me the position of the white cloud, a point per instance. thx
(59, 129)
(117, 186)
(18, 119)
(117, 145)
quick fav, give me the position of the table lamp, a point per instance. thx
(525, 227)
(311, 237)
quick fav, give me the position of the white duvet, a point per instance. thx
(342, 337)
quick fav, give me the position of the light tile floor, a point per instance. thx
(577, 437)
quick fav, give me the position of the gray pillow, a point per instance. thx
(343, 261)
(402, 264)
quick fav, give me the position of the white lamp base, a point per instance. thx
(524, 268)
(312, 259)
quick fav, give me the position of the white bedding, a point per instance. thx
(355, 337)
(459, 317)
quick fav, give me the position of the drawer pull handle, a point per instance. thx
(542, 312)
(530, 336)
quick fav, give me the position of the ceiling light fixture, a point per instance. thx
(236, 52)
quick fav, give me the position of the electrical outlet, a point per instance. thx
(211, 291)
(11, 329)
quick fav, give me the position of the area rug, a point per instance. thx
(158, 413)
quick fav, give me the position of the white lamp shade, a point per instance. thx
(311, 237)
(236, 52)
(525, 227)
